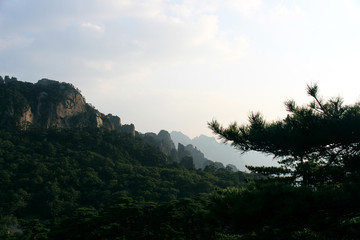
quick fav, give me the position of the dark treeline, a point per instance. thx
(259, 211)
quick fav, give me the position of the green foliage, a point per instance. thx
(129, 219)
(34, 230)
(280, 211)
(259, 211)
(316, 144)
(49, 173)
(187, 162)
(318, 148)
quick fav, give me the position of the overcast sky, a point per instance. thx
(176, 65)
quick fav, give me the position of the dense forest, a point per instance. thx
(48, 174)
(97, 183)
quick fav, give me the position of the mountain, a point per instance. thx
(68, 171)
(162, 140)
(223, 153)
(50, 103)
(182, 153)
(179, 137)
(60, 156)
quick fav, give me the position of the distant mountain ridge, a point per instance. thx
(223, 153)
(163, 141)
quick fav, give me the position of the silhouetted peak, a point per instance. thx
(47, 82)
(8, 79)
(165, 135)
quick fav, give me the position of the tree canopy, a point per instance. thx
(315, 144)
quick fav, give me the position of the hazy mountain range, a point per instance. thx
(224, 153)
(53, 104)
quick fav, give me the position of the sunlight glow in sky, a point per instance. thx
(176, 65)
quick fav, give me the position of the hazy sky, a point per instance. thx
(176, 65)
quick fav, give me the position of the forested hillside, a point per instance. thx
(88, 182)
(47, 174)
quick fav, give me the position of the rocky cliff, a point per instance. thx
(50, 103)
(183, 153)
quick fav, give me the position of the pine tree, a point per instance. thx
(315, 144)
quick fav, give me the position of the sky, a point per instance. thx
(176, 65)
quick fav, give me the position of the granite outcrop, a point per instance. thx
(49, 103)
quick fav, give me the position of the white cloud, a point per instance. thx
(92, 26)
(112, 9)
(283, 11)
(189, 9)
(245, 7)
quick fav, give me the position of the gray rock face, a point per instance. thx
(57, 105)
(49, 103)
(26, 119)
(182, 152)
(163, 141)
(115, 121)
(200, 161)
(164, 136)
(72, 106)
